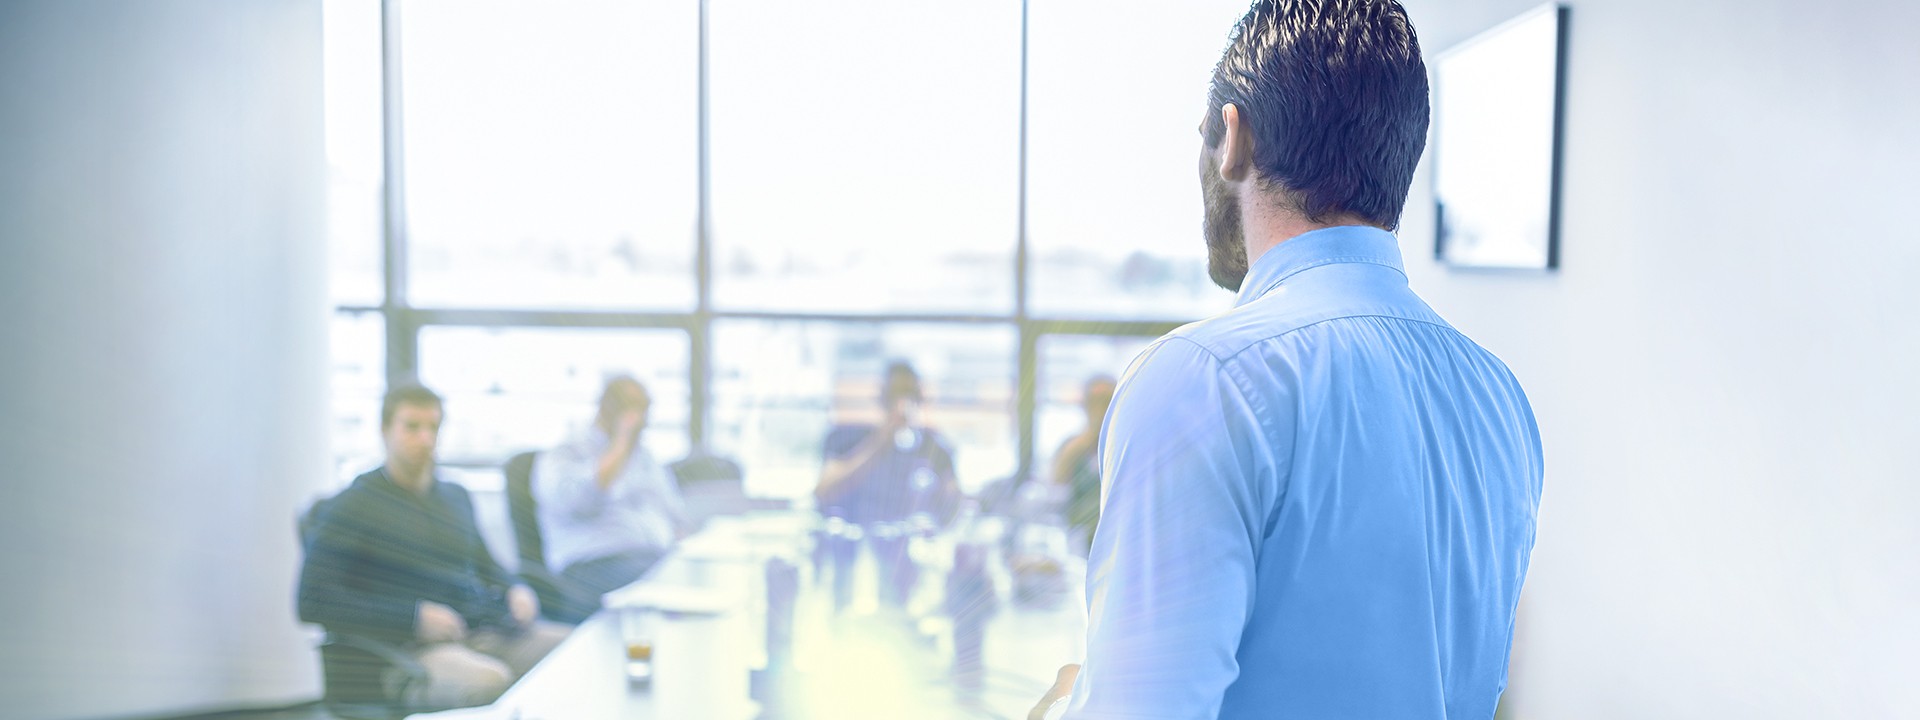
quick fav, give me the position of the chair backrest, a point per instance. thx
(703, 467)
(710, 485)
(309, 521)
(525, 512)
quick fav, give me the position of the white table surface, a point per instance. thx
(865, 662)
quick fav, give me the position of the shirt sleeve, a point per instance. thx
(842, 439)
(841, 442)
(1170, 579)
(565, 478)
(947, 493)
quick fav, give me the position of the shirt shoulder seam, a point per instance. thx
(1229, 357)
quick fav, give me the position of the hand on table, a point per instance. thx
(436, 623)
(524, 605)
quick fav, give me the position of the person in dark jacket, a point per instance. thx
(398, 557)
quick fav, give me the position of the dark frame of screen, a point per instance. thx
(404, 321)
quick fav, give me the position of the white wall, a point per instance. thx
(1727, 369)
(163, 373)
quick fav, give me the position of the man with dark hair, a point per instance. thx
(397, 557)
(608, 511)
(1321, 503)
(879, 475)
(885, 472)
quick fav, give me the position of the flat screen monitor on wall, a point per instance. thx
(1496, 147)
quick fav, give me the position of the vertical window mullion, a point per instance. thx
(403, 331)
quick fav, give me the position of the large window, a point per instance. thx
(1117, 92)
(354, 169)
(549, 152)
(357, 339)
(866, 155)
(359, 379)
(753, 206)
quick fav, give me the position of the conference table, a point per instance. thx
(704, 612)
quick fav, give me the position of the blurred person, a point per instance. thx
(1322, 502)
(608, 511)
(397, 557)
(1077, 467)
(880, 476)
(889, 471)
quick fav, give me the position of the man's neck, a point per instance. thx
(1268, 224)
(418, 482)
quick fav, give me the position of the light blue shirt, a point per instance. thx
(641, 510)
(1318, 505)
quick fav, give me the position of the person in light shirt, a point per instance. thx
(1320, 503)
(607, 510)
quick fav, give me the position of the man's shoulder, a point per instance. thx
(938, 443)
(1289, 310)
(453, 494)
(373, 493)
(842, 438)
(847, 433)
(361, 504)
(363, 488)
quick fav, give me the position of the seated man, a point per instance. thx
(608, 512)
(397, 557)
(1077, 464)
(880, 475)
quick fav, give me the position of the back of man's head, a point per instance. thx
(1335, 92)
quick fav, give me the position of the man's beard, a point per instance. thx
(1226, 238)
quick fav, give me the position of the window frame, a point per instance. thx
(404, 321)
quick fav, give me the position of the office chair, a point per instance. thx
(710, 485)
(353, 667)
(560, 599)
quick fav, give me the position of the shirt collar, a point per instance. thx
(1344, 244)
(433, 484)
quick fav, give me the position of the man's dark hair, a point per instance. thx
(901, 382)
(408, 394)
(1335, 94)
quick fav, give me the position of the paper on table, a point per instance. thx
(716, 547)
(670, 598)
(484, 712)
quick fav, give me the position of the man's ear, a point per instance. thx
(1236, 147)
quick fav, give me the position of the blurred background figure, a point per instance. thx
(397, 557)
(889, 481)
(889, 471)
(607, 510)
(1076, 465)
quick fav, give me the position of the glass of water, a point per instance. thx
(638, 629)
